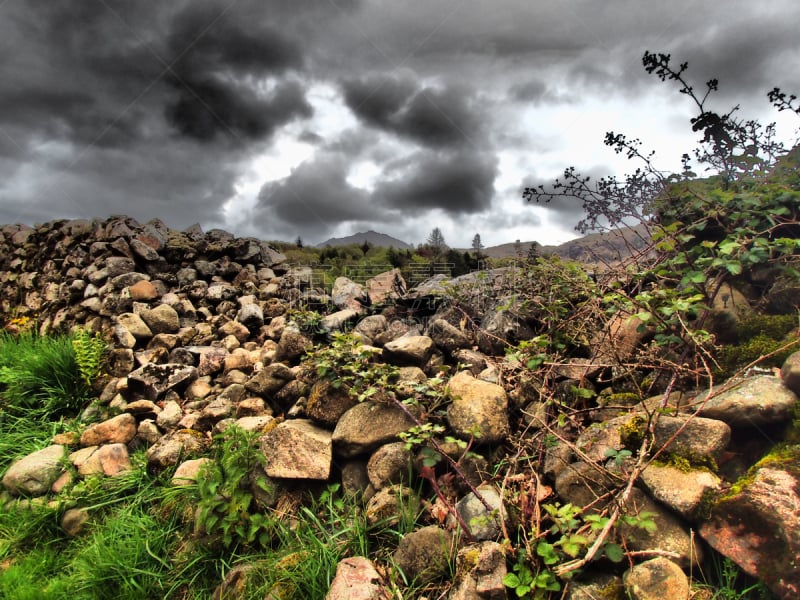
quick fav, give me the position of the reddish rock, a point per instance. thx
(759, 529)
(143, 291)
(357, 579)
(119, 429)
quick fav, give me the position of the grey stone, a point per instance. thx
(696, 436)
(135, 325)
(790, 372)
(297, 449)
(483, 523)
(753, 402)
(480, 570)
(269, 380)
(183, 444)
(327, 403)
(391, 463)
(478, 409)
(670, 534)
(409, 350)
(153, 380)
(656, 579)
(34, 474)
(366, 426)
(424, 555)
(448, 337)
(161, 319)
(685, 492)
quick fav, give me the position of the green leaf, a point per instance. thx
(511, 580)
(614, 552)
(547, 552)
(734, 267)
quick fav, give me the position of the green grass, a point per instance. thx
(40, 376)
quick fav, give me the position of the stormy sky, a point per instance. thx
(321, 118)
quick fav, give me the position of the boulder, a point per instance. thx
(135, 326)
(670, 533)
(478, 409)
(386, 287)
(656, 579)
(689, 493)
(390, 504)
(391, 463)
(424, 555)
(181, 444)
(790, 372)
(297, 449)
(751, 402)
(484, 523)
(368, 425)
(269, 380)
(187, 472)
(447, 337)
(34, 474)
(327, 403)
(757, 524)
(161, 319)
(409, 350)
(694, 437)
(348, 294)
(109, 459)
(480, 570)
(120, 429)
(152, 381)
(357, 579)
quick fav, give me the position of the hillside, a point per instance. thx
(592, 248)
(375, 239)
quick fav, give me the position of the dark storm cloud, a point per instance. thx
(315, 198)
(211, 69)
(456, 183)
(433, 116)
(161, 107)
(207, 108)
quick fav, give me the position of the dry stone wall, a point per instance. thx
(201, 336)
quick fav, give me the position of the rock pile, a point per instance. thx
(204, 335)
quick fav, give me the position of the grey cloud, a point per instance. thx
(208, 108)
(456, 183)
(316, 197)
(435, 117)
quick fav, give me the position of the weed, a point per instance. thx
(227, 512)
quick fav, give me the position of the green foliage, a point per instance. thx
(740, 221)
(89, 352)
(527, 583)
(569, 535)
(41, 376)
(227, 511)
(350, 364)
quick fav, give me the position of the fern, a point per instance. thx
(89, 351)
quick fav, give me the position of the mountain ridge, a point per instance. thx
(373, 238)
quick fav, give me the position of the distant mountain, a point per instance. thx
(375, 239)
(592, 248)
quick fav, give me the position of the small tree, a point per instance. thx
(477, 245)
(436, 242)
(298, 242)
